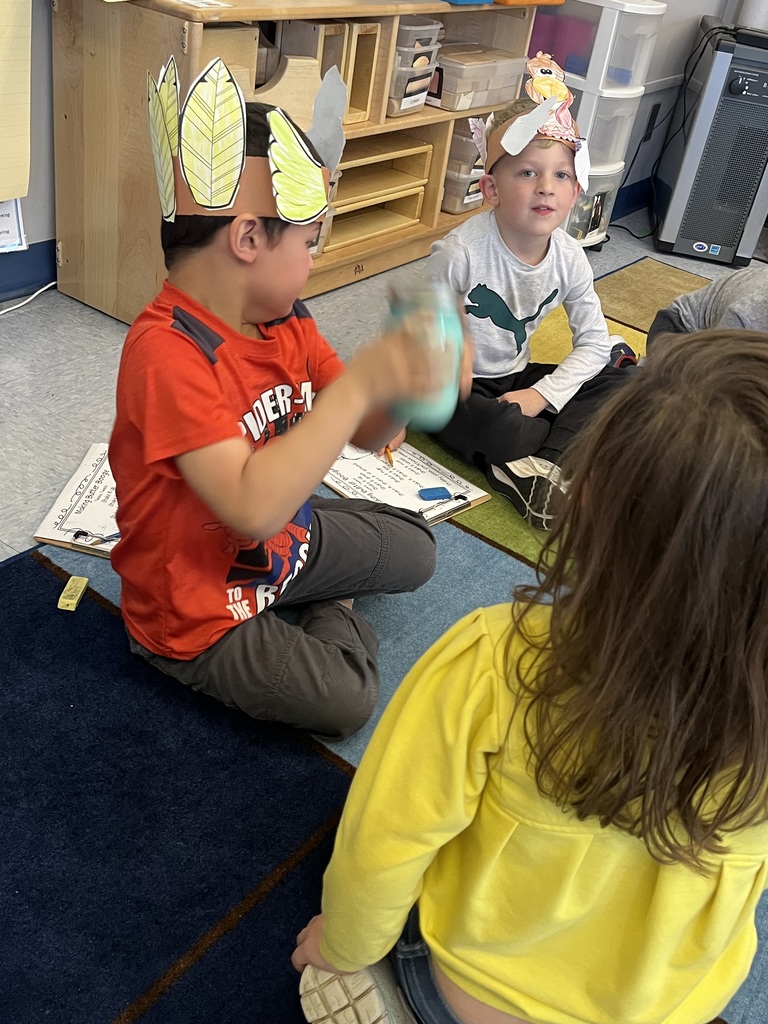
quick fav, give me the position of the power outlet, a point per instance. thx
(651, 123)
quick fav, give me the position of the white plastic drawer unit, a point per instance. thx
(600, 44)
(605, 119)
(591, 214)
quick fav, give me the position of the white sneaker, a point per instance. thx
(370, 996)
(533, 485)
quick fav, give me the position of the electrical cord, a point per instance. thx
(653, 208)
(10, 309)
(681, 94)
(681, 90)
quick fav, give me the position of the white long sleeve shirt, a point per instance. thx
(507, 299)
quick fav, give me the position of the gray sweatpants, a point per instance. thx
(319, 671)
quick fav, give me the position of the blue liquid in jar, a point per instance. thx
(443, 331)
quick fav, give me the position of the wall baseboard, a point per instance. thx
(631, 198)
(23, 272)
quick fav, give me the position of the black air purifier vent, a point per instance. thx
(729, 174)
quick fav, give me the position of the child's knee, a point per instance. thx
(357, 710)
(425, 555)
(346, 707)
(511, 435)
(419, 556)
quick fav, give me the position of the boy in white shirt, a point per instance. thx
(514, 264)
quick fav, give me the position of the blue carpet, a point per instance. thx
(159, 851)
(151, 838)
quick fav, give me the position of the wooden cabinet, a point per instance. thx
(387, 205)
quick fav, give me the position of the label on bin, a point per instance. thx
(412, 101)
(473, 190)
(417, 84)
(415, 90)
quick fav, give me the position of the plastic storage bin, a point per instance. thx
(470, 75)
(408, 89)
(592, 213)
(463, 156)
(416, 56)
(605, 119)
(462, 191)
(602, 43)
(414, 30)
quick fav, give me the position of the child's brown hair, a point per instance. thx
(649, 709)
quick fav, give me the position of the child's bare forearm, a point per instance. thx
(531, 401)
(257, 491)
(377, 429)
(281, 475)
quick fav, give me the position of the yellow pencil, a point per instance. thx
(388, 453)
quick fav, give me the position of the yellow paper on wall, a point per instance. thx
(15, 63)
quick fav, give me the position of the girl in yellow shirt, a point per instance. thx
(562, 815)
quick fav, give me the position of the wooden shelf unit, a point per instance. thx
(381, 166)
(107, 209)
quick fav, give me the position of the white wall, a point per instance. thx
(37, 209)
(676, 38)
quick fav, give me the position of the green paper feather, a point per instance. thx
(212, 137)
(297, 177)
(161, 149)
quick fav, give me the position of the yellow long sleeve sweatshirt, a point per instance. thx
(526, 908)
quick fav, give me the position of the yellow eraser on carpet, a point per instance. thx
(71, 594)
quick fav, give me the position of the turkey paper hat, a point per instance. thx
(551, 119)
(200, 151)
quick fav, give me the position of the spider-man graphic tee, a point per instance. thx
(187, 380)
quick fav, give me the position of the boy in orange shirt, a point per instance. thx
(231, 407)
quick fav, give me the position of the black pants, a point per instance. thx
(486, 432)
(666, 321)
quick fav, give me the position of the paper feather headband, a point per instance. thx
(550, 120)
(200, 153)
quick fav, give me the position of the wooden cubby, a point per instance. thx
(107, 209)
(381, 166)
(326, 41)
(360, 69)
(374, 219)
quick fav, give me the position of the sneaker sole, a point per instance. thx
(342, 998)
(539, 516)
(370, 996)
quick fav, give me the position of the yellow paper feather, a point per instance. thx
(168, 88)
(161, 150)
(212, 137)
(297, 177)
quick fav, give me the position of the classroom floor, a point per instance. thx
(59, 358)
